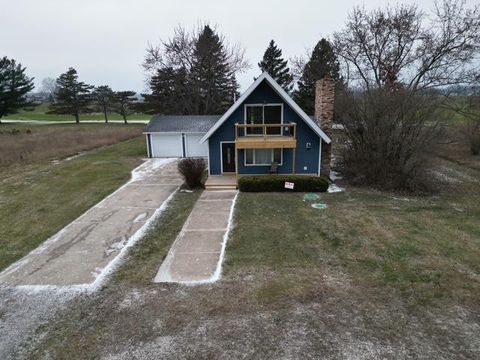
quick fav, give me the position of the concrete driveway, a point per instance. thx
(85, 251)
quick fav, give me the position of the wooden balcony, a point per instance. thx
(261, 136)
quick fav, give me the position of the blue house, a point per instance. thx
(263, 127)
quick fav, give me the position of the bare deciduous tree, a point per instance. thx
(402, 45)
(125, 103)
(49, 87)
(177, 52)
(396, 59)
(103, 97)
(390, 138)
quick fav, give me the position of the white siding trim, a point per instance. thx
(173, 132)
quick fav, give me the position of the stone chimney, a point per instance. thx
(324, 108)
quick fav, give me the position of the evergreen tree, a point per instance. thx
(125, 102)
(73, 96)
(213, 81)
(103, 97)
(276, 66)
(170, 90)
(322, 61)
(14, 86)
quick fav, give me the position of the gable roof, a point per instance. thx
(279, 90)
(181, 123)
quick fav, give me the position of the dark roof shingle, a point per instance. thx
(182, 123)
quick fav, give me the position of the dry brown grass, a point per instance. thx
(27, 144)
(453, 146)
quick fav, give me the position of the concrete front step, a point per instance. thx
(221, 182)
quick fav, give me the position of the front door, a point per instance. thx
(228, 157)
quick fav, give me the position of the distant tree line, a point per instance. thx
(66, 95)
(74, 97)
(194, 72)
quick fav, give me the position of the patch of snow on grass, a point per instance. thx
(333, 188)
(448, 174)
(56, 162)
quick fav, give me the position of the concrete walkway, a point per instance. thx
(196, 255)
(85, 251)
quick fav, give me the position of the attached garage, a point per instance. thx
(178, 135)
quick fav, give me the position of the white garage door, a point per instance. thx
(166, 145)
(193, 147)
(170, 145)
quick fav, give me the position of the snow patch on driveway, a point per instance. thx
(149, 167)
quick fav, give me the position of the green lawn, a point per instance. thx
(424, 249)
(39, 113)
(38, 200)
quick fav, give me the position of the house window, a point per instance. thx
(263, 114)
(263, 156)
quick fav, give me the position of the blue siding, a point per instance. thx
(304, 157)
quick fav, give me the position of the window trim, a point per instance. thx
(272, 149)
(263, 117)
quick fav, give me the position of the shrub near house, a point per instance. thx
(274, 183)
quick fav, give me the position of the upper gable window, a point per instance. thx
(264, 114)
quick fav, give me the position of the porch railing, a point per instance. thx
(266, 130)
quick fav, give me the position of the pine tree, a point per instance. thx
(73, 96)
(125, 102)
(14, 86)
(170, 90)
(276, 66)
(322, 61)
(103, 97)
(213, 81)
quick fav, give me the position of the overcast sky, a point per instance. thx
(105, 40)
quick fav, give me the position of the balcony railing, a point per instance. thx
(266, 130)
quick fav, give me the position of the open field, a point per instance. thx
(376, 275)
(23, 144)
(40, 113)
(38, 199)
